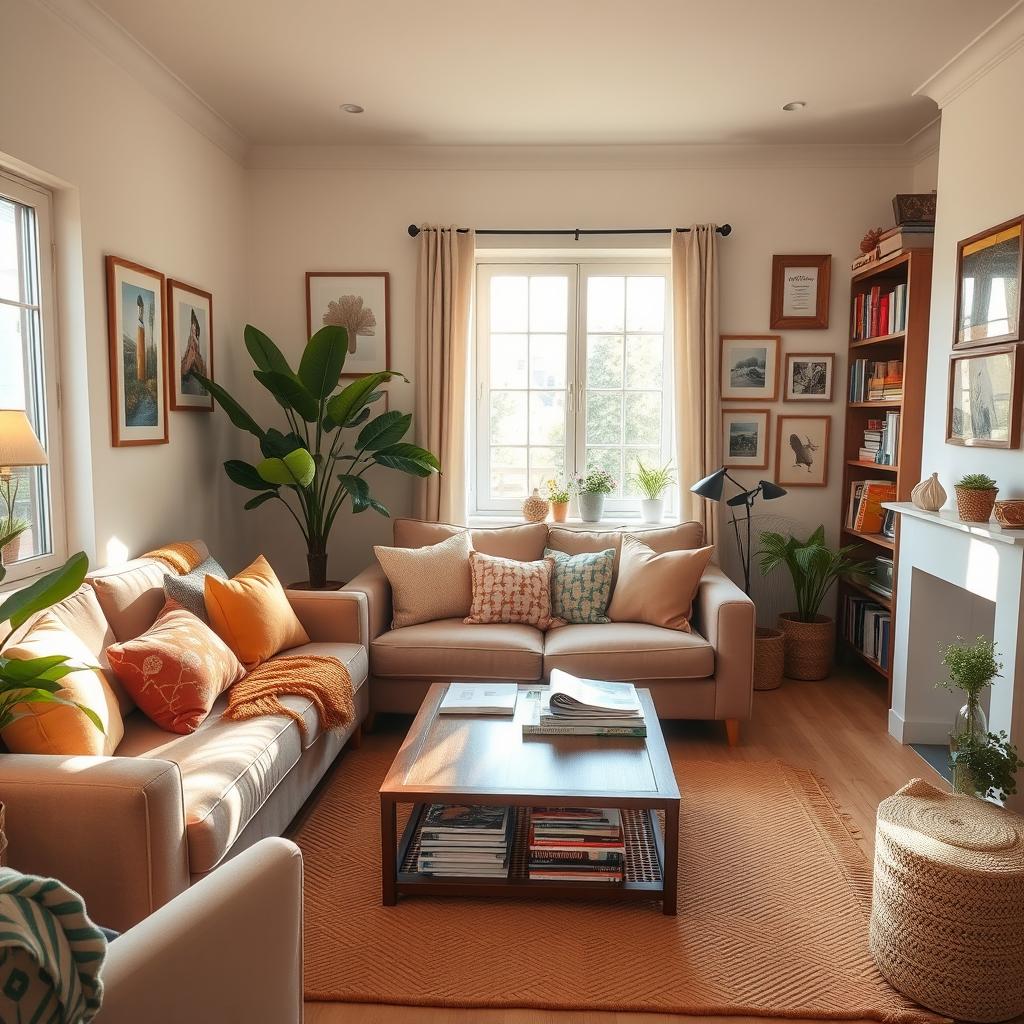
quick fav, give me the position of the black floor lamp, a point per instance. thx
(711, 487)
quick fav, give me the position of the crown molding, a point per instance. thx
(110, 39)
(1001, 39)
(925, 141)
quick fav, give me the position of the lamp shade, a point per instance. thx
(711, 486)
(19, 445)
(769, 491)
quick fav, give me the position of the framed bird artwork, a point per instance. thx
(801, 451)
(359, 302)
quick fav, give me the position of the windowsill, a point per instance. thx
(607, 523)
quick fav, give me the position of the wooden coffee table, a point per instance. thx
(467, 759)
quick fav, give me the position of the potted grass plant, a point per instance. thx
(975, 497)
(652, 481)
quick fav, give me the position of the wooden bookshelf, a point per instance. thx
(914, 269)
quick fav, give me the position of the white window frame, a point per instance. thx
(44, 405)
(579, 269)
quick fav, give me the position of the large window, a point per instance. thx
(572, 373)
(29, 496)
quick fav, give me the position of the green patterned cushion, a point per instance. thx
(581, 585)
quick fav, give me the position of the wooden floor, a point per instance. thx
(836, 727)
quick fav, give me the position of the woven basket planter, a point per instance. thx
(947, 914)
(769, 658)
(975, 506)
(810, 646)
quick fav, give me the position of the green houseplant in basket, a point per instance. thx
(975, 497)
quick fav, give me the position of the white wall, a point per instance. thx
(133, 179)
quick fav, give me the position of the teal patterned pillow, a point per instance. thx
(581, 585)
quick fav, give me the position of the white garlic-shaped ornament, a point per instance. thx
(929, 494)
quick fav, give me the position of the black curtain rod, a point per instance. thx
(724, 230)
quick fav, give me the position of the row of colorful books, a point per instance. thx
(465, 841)
(868, 626)
(877, 313)
(864, 513)
(881, 442)
(876, 380)
(576, 844)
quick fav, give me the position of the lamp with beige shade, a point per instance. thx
(19, 446)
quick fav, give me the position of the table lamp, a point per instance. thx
(19, 446)
(712, 486)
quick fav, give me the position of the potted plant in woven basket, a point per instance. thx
(815, 569)
(975, 497)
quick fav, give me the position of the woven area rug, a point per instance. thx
(773, 910)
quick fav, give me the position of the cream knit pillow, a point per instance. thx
(428, 583)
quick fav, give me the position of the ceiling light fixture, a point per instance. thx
(794, 105)
(352, 108)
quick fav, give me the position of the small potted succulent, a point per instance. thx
(652, 482)
(558, 496)
(591, 488)
(975, 497)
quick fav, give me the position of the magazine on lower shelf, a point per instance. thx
(465, 841)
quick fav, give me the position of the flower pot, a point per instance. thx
(975, 506)
(769, 657)
(591, 507)
(559, 511)
(11, 551)
(810, 646)
(652, 509)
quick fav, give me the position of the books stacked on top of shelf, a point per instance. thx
(479, 699)
(576, 844)
(868, 626)
(865, 514)
(465, 841)
(876, 313)
(881, 442)
(909, 235)
(871, 446)
(876, 380)
(881, 579)
(584, 707)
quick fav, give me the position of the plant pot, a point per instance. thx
(769, 658)
(3, 839)
(975, 506)
(810, 646)
(652, 509)
(559, 511)
(591, 507)
(11, 551)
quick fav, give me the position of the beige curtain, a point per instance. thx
(696, 358)
(444, 285)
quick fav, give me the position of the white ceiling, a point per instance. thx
(473, 72)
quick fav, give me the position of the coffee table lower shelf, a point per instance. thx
(644, 867)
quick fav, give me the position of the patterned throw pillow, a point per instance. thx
(505, 590)
(581, 585)
(188, 589)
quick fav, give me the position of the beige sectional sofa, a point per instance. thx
(704, 674)
(133, 830)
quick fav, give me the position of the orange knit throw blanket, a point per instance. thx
(182, 556)
(325, 681)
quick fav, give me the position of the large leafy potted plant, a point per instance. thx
(313, 465)
(815, 568)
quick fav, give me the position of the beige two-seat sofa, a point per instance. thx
(704, 674)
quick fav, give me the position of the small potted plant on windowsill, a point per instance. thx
(591, 488)
(975, 497)
(558, 496)
(652, 482)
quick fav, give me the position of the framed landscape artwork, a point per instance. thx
(988, 277)
(984, 408)
(359, 302)
(800, 292)
(809, 377)
(137, 337)
(750, 367)
(190, 345)
(801, 451)
(745, 438)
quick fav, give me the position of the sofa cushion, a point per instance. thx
(628, 651)
(523, 543)
(429, 582)
(581, 585)
(505, 590)
(131, 595)
(189, 589)
(449, 649)
(230, 768)
(668, 538)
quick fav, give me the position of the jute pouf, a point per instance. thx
(947, 912)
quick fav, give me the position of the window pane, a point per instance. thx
(547, 360)
(549, 304)
(508, 304)
(9, 277)
(508, 360)
(22, 505)
(606, 304)
(645, 361)
(546, 464)
(643, 417)
(651, 458)
(508, 417)
(604, 418)
(645, 304)
(547, 417)
(604, 361)
(508, 473)
(609, 459)
(13, 391)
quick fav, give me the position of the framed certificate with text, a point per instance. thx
(800, 292)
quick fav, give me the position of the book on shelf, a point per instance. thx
(465, 841)
(906, 236)
(867, 625)
(876, 380)
(889, 524)
(881, 577)
(479, 699)
(577, 844)
(876, 313)
(865, 514)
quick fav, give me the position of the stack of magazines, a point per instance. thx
(585, 707)
(576, 844)
(460, 841)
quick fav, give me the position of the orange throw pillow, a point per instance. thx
(176, 669)
(505, 590)
(251, 614)
(657, 589)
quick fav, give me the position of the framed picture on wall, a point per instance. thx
(357, 301)
(984, 407)
(988, 274)
(750, 367)
(136, 328)
(190, 345)
(745, 438)
(800, 292)
(801, 451)
(809, 376)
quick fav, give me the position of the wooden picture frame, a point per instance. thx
(342, 296)
(136, 334)
(801, 450)
(189, 343)
(736, 439)
(809, 376)
(979, 260)
(978, 384)
(749, 367)
(801, 289)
